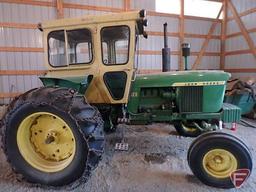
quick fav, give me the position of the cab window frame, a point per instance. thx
(101, 42)
(67, 63)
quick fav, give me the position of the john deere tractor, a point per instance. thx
(54, 135)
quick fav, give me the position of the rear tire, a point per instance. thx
(212, 157)
(64, 106)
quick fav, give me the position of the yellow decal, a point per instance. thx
(134, 94)
(204, 83)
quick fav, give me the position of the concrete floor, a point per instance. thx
(156, 161)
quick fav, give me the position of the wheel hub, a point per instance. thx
(219, 163)
(47, 143)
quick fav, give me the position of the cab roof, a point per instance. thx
(92, 19)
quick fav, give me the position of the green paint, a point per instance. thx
(155, 98)
(186, 63)
(80, 83)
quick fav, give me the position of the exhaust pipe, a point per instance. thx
(166, 53)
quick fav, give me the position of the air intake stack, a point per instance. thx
(166, 53)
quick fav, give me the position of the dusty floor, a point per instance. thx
(156, 161)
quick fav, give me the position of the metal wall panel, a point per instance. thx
(245, 75)
(249, 20)
(253, 36)
(196, 44)
(232, 27)
(80, 12)
(239, 42)
(26, 13)
(197, 27)
(155, 62)
(240, 61)
(157, 43)
(14, 37)
(156, 23)
(213, 46)
(210, 62)
(243, 5)
(236, 43)
(148, 5)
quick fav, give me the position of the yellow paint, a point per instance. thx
(97, 91)
(219, 163)
(203, 83)
(188, 129)
(46, 142)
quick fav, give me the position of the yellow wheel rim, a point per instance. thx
(219, 163)
(46, 142)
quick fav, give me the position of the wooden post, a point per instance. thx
(181, 33)
(223, 35)
(206, 42)
(127, 5)
(59, 7)
(242, 28)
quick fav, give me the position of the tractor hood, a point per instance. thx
(183, 78)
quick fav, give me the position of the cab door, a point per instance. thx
(117, 57)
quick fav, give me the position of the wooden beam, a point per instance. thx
(188, 35)
(223, 34)
(154, 52)
(21, 49)
(239, 52)
(206, 42)
(181, 33)
(253, 30)
(22, 72)
(127, 5)
(60, 10)
(242, 28)
(18, 25)
(241, 70)
(9, 95)
(202, 18)
(159, 14)
(247, 12)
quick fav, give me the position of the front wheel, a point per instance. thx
(214, 156)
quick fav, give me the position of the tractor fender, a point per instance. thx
(79, 83)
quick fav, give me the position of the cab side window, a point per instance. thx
(79, 46)
(115, 45)
(56, 48)
(78, 50)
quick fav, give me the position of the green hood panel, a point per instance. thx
(80, 83)
(167, 79)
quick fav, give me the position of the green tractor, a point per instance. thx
(54, 135)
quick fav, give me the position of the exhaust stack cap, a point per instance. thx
(143, 13)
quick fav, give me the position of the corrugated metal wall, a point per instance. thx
(240, 61)
(19, 38)
(150, 57)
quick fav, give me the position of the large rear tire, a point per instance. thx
(214, 156)
(52, 137)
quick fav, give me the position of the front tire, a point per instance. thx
(213, 157)
(52, 137)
